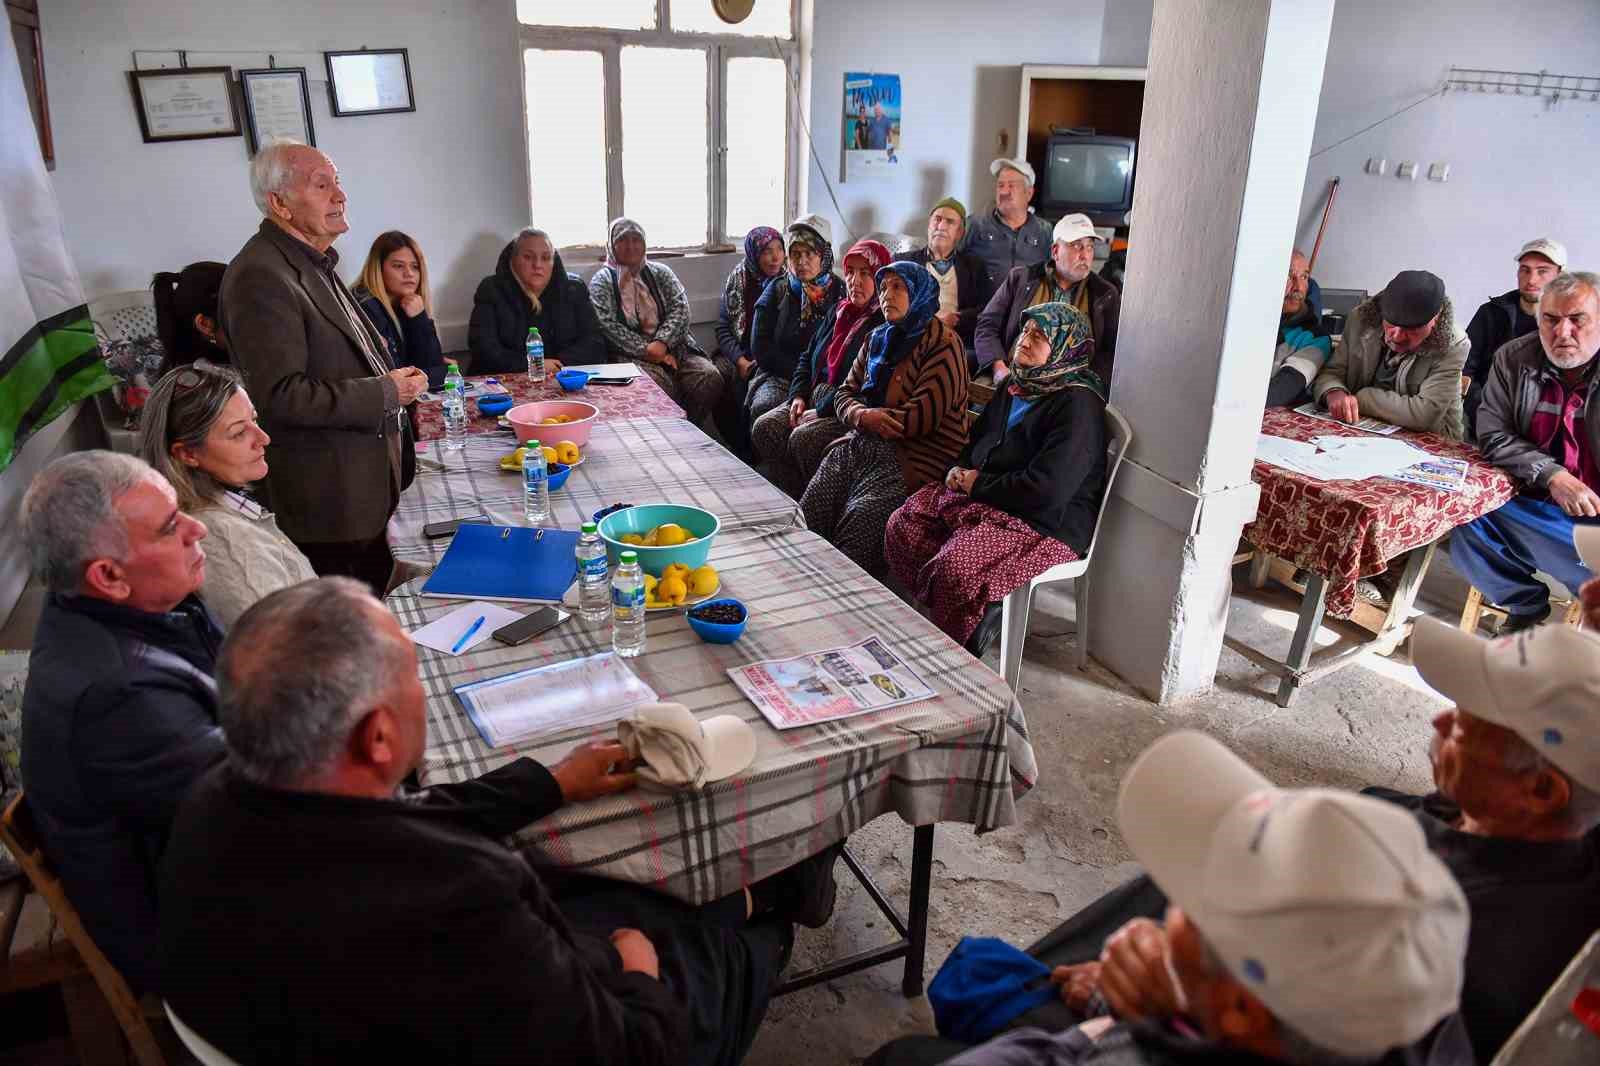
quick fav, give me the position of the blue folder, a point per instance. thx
(512, 563)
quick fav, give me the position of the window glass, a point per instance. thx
(565, 95)
(664, 144)
(757, 133)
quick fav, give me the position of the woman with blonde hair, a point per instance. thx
(393, 291)
(531, 289)
(199, 430)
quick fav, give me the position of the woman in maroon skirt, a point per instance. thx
(1025, 491)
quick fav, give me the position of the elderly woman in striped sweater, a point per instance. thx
(905, 402)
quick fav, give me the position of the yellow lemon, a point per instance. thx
(550, 455)
(632, 538)
(703, 582)
(649, 585)
(568, 452)
(669, 535)
(672, 589)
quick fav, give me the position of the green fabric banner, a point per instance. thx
(53, 366)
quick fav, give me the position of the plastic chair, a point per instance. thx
(1014, 623)
(19, 834)
(198, 1046)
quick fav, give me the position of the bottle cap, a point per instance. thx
(629, 557)
(588, 527)
(530, 444)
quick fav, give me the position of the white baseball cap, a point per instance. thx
(676, 750)
(816, 224)
(1021, 166)
(1074, 227)
(1327, 905)
(1543, 684)
(1554, 251)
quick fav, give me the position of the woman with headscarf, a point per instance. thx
(905, 402)
(530, 288)
(763, 261)
(644, 316)
(790, 439)
(790, 312)
(1024, 493)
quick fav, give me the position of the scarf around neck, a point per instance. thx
(752, 282)
(814, 290)
(892, 342)
(1071, 350)
(638, 303)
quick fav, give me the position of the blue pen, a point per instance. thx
(473, 628)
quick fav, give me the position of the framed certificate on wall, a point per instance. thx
(277, 104)
(369, 82)
(185, 104)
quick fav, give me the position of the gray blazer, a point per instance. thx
(314, 372)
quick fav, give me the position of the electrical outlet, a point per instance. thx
(1378, 167)
(1439, 172)
(1406, 171)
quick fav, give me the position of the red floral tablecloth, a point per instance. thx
(642, 399)
(1347, 530)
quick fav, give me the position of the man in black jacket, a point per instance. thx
(1507, 317)
(119, 716)
(313, 912)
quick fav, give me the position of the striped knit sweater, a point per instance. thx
(927, 394)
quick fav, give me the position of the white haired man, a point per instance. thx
(119, 716)
(318, 372)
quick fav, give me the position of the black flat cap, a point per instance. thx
(1411, 299)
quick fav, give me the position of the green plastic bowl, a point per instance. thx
(702, 525)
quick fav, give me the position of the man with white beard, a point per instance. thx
(1535, 424)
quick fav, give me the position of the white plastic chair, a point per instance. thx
(1014, 623)
(198, 1046)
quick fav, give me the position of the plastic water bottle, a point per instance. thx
(535, 484)
(594, 575)
(455, 410)
(627, 607)
(535, 355)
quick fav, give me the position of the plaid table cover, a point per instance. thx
(642, 399)
(962, 757)
(1347, 530)
(645, 460)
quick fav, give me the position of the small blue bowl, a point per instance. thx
(572, 380)
(494, 406)
(719, 632)
(559, 472)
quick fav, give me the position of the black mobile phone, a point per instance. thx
(611, 381)
(529, 626)
(435, 530)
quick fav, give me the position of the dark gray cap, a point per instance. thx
(1411, 299)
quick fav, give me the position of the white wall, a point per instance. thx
(1519, 169)
(452, 173)
(1125, 36)
(960, 69)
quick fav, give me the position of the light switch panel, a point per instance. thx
(1439, 172)
(1406, 171)
(1380, 167)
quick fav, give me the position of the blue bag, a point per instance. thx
(983, 985)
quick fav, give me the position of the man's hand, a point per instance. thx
(637, 953)
(411, 305)
(1077, 984)
(881, 423)
(1342, 405)
(1589, 595)
(949, 318)
(960, 480)
(746, 366)
(1466, 384)
(1133, 972)
(594, 768)
(797, 407)
(552, 365)
(1573, 496)
(409, 382)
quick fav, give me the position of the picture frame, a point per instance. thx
(369, 81)
(185, 103)
(277, 103)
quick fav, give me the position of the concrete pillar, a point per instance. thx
(1229, 111)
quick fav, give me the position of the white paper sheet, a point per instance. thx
(1366, 425)
(610, 371)
(592, 691)
(441, 634)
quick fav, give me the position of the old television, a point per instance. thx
(1088, 172)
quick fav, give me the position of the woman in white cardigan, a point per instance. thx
(199, 429)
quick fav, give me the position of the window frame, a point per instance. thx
(718, 49)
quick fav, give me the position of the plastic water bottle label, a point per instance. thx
(595, 567)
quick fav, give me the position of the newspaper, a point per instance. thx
(1366, 425)
(828, 685)
(1445, 475)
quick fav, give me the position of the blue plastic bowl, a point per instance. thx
(572, 380)
(493, 406)
(559, 472)
(719, 632)
(702, 525)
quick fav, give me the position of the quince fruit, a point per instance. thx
(650, 540)
(568, 452)
(670, 535)
(632, 538)
(672, 589)
(703, 582)
(550, 455)
(676, 568)
(649, 585)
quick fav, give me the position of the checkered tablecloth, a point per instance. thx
(642, 399)
(644, 460)
(962, 757)
(1347, 530)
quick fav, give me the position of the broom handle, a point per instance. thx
(1333, 191)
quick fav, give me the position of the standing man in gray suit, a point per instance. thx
(318, 372)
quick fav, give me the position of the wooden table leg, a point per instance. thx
(917, 914)
(1405, 593)
(1312, 607)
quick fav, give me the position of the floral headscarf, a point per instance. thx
(743, 297)
(638, 303)
(816, 289)
(1071, 350)
(891, 341)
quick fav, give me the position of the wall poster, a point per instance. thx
(871, 125)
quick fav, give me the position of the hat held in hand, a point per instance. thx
(676, 750)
